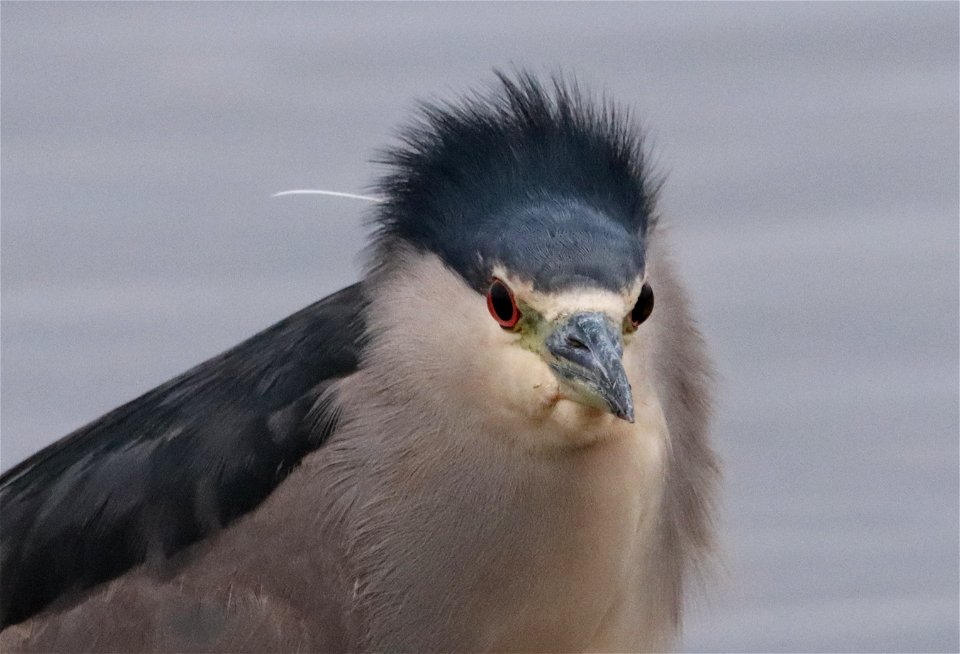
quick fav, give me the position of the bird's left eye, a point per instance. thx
(643, 308)
(502, 304)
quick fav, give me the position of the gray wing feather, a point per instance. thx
(175, 464)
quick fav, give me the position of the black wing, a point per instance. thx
(170, 467)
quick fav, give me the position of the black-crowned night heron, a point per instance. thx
(493, 442)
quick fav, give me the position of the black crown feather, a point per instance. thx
(465, 167)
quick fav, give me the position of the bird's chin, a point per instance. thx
(557, 412)
(573, 425)
(582, 393)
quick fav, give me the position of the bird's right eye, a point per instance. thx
(502, 304)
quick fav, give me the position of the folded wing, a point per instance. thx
(174, 465)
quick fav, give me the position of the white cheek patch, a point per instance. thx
(436, 332)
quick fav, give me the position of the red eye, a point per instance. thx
(502, 305)
(644, 306)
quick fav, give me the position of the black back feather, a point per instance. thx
(538, 179)
(175, 464)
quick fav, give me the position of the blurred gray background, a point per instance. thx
(812, 152)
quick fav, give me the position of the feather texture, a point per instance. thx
(463, 501)
(535, 177)
(175, 464)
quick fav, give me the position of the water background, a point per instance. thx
(812, 152)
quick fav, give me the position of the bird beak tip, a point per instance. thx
(622, 407)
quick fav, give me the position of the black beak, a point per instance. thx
(588, 356)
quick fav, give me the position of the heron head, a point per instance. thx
(536, 208)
